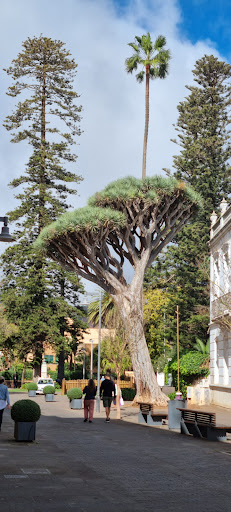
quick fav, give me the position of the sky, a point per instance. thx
(97, 33)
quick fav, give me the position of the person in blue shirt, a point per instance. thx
(4, 398)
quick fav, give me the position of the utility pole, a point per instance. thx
(99, 352)
(178, 394)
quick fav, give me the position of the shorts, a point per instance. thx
(107, 400)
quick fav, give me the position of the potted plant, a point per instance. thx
(25, 413)
(75, 397)
(32, 388)
(49, 392)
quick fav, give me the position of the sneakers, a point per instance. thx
(90, 421)
(107, 420)
(84, 421)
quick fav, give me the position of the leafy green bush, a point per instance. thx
(25, 410)
(57, 385)
(128, 394)
(24, 386)
(193, 366)
(32, 386)
(172, 396)
(74, 393)
(49, 390)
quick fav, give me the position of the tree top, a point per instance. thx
(84, 219)
(130, 220)
(149, 190)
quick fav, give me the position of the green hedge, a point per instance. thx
(193, 365)
(32, 386)
(128, 394)
(74, 393)
(25, 410)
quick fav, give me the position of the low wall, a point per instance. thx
(220, 395)
(198, 395)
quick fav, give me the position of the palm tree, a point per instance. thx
(203, 348)
(108, 311)
(154, 58)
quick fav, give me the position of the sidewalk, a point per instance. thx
(115, 467)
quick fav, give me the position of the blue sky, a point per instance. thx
(208, 20)
(199, 20)
(97, 33)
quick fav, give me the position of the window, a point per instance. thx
(49, 359)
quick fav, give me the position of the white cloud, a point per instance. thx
(113, 116)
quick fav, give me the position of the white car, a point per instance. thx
(42, 383)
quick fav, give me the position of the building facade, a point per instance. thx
(220, 307)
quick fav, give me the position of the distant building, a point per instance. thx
(220, 307)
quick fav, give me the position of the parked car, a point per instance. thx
(42, 383)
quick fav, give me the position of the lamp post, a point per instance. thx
(84, 361)
(99, 347)
(91, 368)
(178, 393)
(99, 353)
(5, 236)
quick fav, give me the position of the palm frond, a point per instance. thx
(160, 42)
(131, 63)
(140, 76)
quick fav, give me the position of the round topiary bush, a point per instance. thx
(32, 386)
(128, 394)
(25, 410)
(74, 393)
(49, 390)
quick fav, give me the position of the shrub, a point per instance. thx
(172, 396)
(128, 394)
(193, 366)
(24, 386)
(49, 390)
(25, 410)
(74, 393)
(57, 385)
(32, 386)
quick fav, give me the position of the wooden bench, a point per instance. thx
(202, 424)
(149, 417)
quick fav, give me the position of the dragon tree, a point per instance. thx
(128, 223)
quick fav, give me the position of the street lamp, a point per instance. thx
(99, 349)
(91, 369)
(5, 235)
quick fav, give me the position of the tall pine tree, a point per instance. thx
(47, 118)
(204, 139)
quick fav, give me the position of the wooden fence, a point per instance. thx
(81, 383)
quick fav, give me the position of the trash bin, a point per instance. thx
(174, 415)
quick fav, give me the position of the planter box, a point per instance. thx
(50, 397)
(174, 416)
(24, 430)
(76, 403)
(31, 392)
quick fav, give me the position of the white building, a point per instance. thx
(220, 307)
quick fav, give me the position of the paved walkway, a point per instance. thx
(110, 467)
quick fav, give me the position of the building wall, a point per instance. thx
(220, 308)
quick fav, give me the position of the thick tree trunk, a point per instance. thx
(37, 365)
(61, 365)
(130, 306)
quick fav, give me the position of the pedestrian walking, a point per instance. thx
(89, 400)
(4, 398)
(107, 389)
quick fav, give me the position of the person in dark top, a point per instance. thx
(107, 388)
(89, 400)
